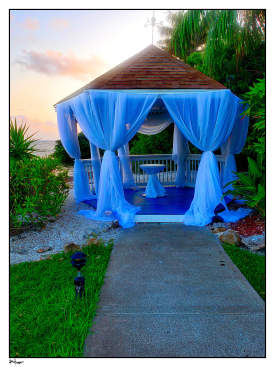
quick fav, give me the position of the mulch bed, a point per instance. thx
(249, 226)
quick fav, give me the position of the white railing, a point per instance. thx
(168, 175)
(88, 168)
(192, 162)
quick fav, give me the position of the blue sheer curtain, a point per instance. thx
(180, 150)
(206, 120)
(68, 135)
(234, 145)
(125, 164)
(96, 165)
(109, 120)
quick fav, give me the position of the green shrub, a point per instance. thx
(21, 146)
(251, 185)
(38, 189)
(196, 60)
(255, 99)
(61, 154)
(161, 143)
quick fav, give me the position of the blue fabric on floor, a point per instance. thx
(177, 201)
(235, 215)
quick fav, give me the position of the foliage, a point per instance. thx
(251, 265)
(45, 320)
(227, 45)
(161, 143)
(250, 185)
(196, 60)
(61, 154)
(37, 190)
(21, 145)
(255, 98)
(216, 30)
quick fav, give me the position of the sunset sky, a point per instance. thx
(55, 52)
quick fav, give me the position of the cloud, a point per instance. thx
(44, 130)
(56, 63)
(31, 24)
(59, 23)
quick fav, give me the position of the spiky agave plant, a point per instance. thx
(21, 145)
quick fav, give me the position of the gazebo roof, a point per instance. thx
(151, 68)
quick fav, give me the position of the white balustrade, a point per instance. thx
(88, 168)
(167, 176)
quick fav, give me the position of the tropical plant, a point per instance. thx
(38, 188)
(250, 185)
(21, 145)
(215, 30)
(227, 45)
(255, 99)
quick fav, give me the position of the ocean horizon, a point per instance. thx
(45, 147)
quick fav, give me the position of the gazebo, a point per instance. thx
(145, 94)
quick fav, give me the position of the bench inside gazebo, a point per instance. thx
(146, 94)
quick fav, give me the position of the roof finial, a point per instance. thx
(152, 23)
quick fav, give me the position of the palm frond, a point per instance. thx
(21, 143)
(243, 30)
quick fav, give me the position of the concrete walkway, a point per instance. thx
(168, 294)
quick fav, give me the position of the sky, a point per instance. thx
(55, 52)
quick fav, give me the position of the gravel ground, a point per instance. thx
(69, 227)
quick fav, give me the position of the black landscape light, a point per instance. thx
(78, 260)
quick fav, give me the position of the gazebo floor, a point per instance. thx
(176, 202)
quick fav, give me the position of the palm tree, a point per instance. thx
(214, 30)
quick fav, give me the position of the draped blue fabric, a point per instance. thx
(206, 120)
(96, 165)
(234, 145)
(180, 149)
(157, 120)
(110, 120)
(127, 175)
(68, 135)
(154, 188)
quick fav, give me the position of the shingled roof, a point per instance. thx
(151, 68)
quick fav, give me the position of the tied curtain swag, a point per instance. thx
(180, 149)
(234, 145)
(68, 134)
(96, 165)
(126, 171)
(110, 119)
(206, 120)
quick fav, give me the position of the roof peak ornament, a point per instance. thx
(152, 22)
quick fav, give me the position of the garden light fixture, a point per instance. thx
(78, 260)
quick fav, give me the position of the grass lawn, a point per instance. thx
(45, 320)
(251, 265)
